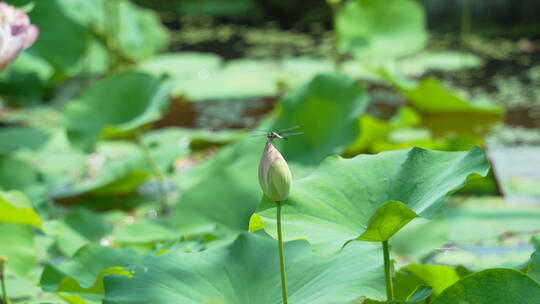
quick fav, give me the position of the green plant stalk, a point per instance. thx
(281, 255)
(5, 298)
(336, 56)
(158, 175)
(111, 29)
(388, 272)
(466, 21)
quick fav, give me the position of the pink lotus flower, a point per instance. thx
(16, 33)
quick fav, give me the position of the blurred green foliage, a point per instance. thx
(108, 194)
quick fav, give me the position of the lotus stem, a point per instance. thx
(281, 255)
(5, 298)
(388, 272)
(156, 172)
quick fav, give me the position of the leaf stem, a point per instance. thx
(158, 175)
(336, 55)
(388, 272)
(281, 255)
(5, 298)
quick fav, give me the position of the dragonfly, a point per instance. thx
(278, 134)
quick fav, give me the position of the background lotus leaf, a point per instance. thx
(493, 286)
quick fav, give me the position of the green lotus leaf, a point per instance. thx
(386, 221)
(17, 174)
(492, 286)
(340, 201)
(139, 33)
(57, 28)
(420, 294)
(17, 243)
(246, 271)
(16, 208)
(14, 138)
(533, 269)
(146, 232)
(327, 110)
(439, 277)
(381, 29)
(444, 112)
(84, 272)
(115, 106)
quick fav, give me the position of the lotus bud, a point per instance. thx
(16, 33)
(274, 174)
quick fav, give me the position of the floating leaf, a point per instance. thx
(247, 271)
(381, 29)
(16, 208)
(115, 106)
(84, 272)
(336, 203)
(183, 67)
(493, 286)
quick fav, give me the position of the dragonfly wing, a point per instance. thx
(288, 129)
(292, 134)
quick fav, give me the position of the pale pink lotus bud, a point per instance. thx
(274, 174)
(16, 33)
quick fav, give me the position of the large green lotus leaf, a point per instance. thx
(375, 130)
(16, 208)
(444, 112)
(492, 286)
(533, 269)
(182, 67)
(247, 271)
(484, 232)
(114, 106)
(439, 277)
(128, 168)
(346, 199)
(146, 232)
(447, 61)
(14, 138)
(89, 224)
(17, 243)
(20, 288)
(381, 29)
(119, 178)
(17, 174)
(62, 40)
(240, 78)
(233, 8)
(408, 246)
(77, 228)
(326, 108)
(139, 32)
(84, 272)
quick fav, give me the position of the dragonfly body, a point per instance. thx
(272, 135)
(278, 134)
